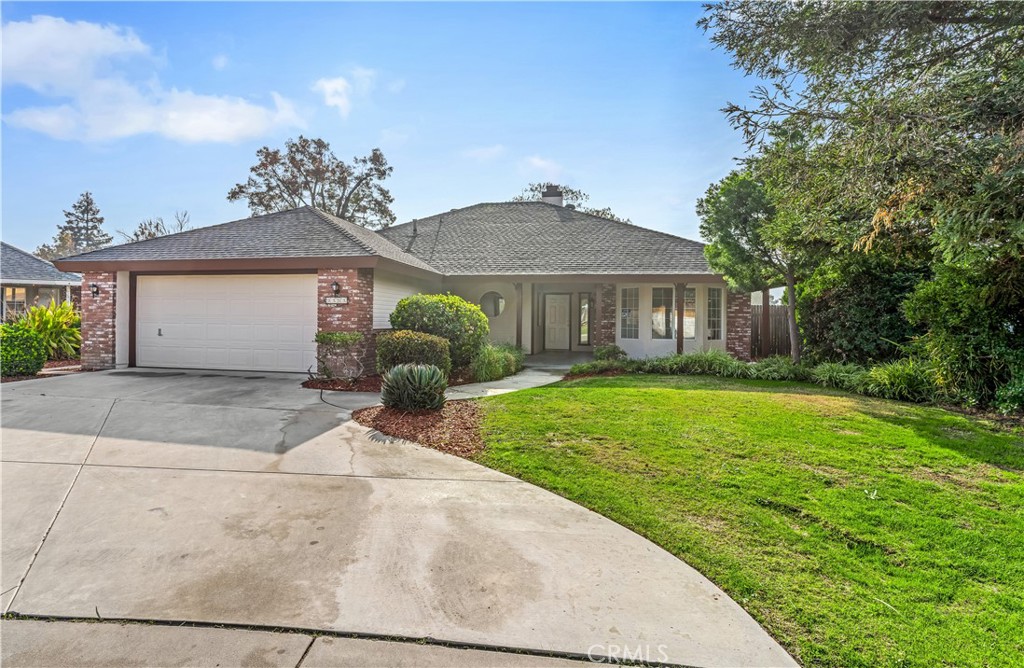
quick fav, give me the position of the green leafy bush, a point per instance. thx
(339, 354)
(778, 367)
(22, 350)
(1010, 397)
(849, 377)
(604, 366)
(609, 352)
(497, 361)
(975, 335)
(413, 387)
(908, 379)
(405, 346)
(453, 318)
(59, 325)
(712, 363)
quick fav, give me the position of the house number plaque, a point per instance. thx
(335, 300)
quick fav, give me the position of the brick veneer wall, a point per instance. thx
(737, 322)
(98, 320)
(605, 333)
(356, 315)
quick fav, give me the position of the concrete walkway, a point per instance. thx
(220, 498)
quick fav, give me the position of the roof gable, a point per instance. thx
(305, 232)
(18, 266)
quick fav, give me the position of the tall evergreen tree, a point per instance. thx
(81, 232)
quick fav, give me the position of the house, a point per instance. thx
(250, 294)
(29, 281)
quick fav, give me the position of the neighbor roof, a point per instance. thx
(296, 233)
(540, 238)
(18, 266)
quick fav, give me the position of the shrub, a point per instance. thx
(908, 379)
(778, 367)
(405, 346)
(604, 366)
(339, 354)
(59, 325)
(712, 363)
(609, 352)
(497, 361)
(1010, 397)
(850, 377)
(453, 318)
(22, 350)
(413, 387)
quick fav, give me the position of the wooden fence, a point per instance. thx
(778, 339)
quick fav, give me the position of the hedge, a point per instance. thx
(408, 347)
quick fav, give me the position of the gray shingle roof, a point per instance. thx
(540, 238)
(302, 232)
(18, 266)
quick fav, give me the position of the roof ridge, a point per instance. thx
(334, 221)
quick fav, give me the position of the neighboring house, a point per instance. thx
(250, 294)
(29, 281)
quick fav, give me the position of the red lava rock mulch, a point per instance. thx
(454, 429)
(14, 379)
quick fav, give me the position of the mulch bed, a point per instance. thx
(455, 429)
(60, 364)
(371, 383)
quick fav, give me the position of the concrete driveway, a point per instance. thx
(224, 498)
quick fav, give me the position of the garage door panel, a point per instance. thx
(243, 322)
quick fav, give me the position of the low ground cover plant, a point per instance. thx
(23, 350)
(405, 346)
(413, 387)
(339, 354)
(60, 327)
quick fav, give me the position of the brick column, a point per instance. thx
(737, 323)
(356, 315)
(98, 325)
(606, 306)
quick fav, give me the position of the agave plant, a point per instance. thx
(413, 387)
(59, 325)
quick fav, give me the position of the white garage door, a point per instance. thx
(263, 322)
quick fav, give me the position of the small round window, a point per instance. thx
(492, 304)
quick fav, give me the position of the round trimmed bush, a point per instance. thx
(413, 387)
(22, 351)
(453, 318)
(405, 346)
(609, 352)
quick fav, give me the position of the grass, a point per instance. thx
(857, 531)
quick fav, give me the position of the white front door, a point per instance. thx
(556, 322)
(251, 322)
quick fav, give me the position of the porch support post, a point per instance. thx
(519, 314)
(680, 306)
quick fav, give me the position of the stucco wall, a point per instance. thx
(503, 327)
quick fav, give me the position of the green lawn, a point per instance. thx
(859, 532)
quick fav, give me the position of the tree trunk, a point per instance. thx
(794, 334)
(766, 323)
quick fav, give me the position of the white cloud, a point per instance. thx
(219, 62)
(484, 153)
(364, 79)
(337, 93)
(83, 64)
(546, 168)
(396, 86)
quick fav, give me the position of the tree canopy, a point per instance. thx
(151, 228)
(80, 232)
(570, 196)
(308, 173)
(896, 129)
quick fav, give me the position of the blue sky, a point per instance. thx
(158, 107)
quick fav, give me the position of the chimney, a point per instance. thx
(552, 195)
